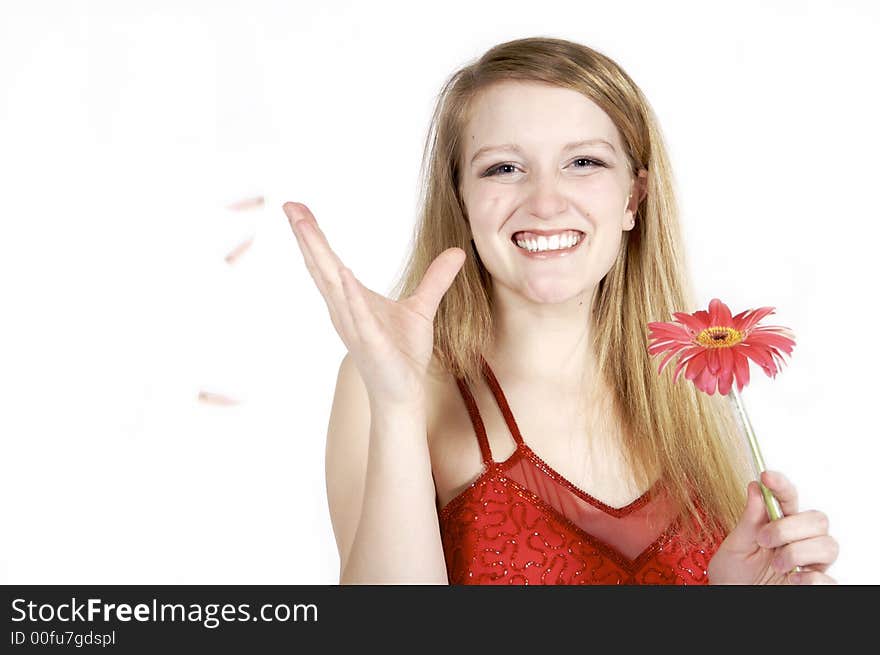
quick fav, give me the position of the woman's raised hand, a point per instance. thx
(390, 341)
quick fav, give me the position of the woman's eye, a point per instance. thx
(496, 170)
(594, 162)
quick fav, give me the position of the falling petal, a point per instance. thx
(247, 203)
(236, 252)
(216, 398)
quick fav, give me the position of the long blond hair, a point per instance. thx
(690, 440)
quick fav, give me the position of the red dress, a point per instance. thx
(521, 522)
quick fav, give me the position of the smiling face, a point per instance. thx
(539, 186)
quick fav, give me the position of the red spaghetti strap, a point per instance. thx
(477, 422)
(502, 402)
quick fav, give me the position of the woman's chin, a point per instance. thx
(555, 295)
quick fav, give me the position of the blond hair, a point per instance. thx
(688, 439)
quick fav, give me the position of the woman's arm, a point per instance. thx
(380, 490)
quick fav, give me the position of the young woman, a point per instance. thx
(499, 420)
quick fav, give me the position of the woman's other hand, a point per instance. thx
(761, 551)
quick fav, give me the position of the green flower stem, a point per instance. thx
(774, 511)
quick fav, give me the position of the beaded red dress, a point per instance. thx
(521, 522)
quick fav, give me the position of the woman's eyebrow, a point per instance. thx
(513, 147)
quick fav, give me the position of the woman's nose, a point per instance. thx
(546, 196)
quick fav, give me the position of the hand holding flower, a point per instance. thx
(761, 551)
(772, 543)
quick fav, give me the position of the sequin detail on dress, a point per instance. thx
(521, 522)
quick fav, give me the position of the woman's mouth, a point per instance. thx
(542, 246)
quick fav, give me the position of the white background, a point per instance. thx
(126, 128)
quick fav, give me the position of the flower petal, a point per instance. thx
(725, 381)
(714, 364)
(772, 336)
(666, 359)
(777, 358)
(719, 314)
(752, 317)
(690, 321)
(668, 329)
(725, 358)
(741, 365)
(706, 381)
(695, 365)
(662, 346)
(769, 350)
(737, 320)
(665, 338)
(761, 357)
(686, 357)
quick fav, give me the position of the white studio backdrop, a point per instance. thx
(128, 133)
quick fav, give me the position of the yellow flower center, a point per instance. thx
(719, 337)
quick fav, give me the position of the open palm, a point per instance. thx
(391, 341)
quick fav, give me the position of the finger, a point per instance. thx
(811, 577)
(341, 315)
(802, 525)
(293, 218)
(822, 567)
(323, 263)
(364, 321)
(328, 284)
(754, 517)
(806, 552)
(437, 280)
(784, 491)
(308, 257)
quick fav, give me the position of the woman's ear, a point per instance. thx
(639, 191)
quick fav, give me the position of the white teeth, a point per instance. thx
(554, 242)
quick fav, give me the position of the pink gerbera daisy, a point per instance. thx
(714, 347)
